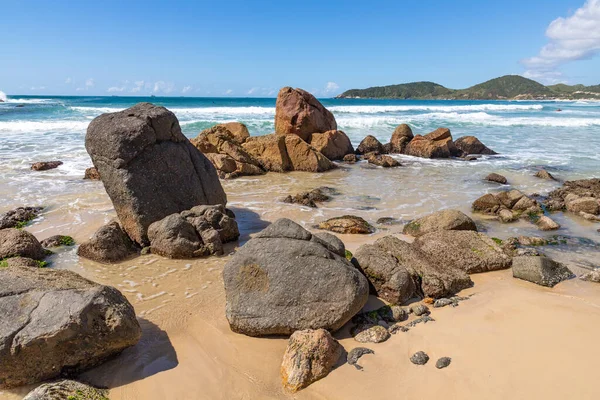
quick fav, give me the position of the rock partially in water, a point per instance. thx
(472, 145)
(310, 198)
(588, 205)
(436, 144)
(543, 174)
(45, 165)
(508, 206)
(389, 279)
(494, 177)
(382, 160)
(592, 276)
(66, 390)
(149, 168)
(55, 322)
(20, 243)
(540, 270)
(19, 217)
(299, 113)
(573, 190)
(443, 362)
(547, 224)
(282, 281)
(355, 354)
(350, 158)
(58, 241)
(370, 144)
(400, 138)
(309, 356)
(109, 244)
(419, 358)
(334, 145)
(349, 224)
(370, 333)
(450, 220)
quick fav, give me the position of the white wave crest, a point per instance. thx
(2, 96)
(43, 126)
(473, 107)
(193, 112)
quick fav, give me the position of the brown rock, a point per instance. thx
(543, 174)
(309, 356)
(45, 165)
(20, 243)
(436, 144)
(332, 144)
(305, 158)
(494, 177)
(472, 145)
(380, 160)
(108, 245)
(237, 130)
(299, 112)
(270, 151)
(450, 220)
(589, 205)
(92, 174)
(368, 145)
(400, 138)
(486, 203)
(350, 158)
(347, 224)
(547, 224)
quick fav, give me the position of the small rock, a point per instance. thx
(45, 165)
(399, 313)
(589, 217)
(419, 358)
(442, 303)
(108, 245)
(66, 389)
(443, 362)
(57, 241)
(543, 174)
(494, 177)
(368, 145)
(19, 217)
(309, 356)
(540, 270)
(92, 174)
(382, 161)
(388, 221)
(347, 224)
(350, 158)
(547, 224)
(370, 333)
(506, 216)
(419, 309)
(312, 197)
(592, 276)
(355, 354)
(20, 243)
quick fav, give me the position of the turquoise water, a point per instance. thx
(526, 133)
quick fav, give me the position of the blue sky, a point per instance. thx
(252, 48)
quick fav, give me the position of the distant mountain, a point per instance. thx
(513, 87)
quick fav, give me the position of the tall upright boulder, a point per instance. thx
(299, 112)
(149, 168)
(400, 138)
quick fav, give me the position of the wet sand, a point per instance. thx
(512, 339)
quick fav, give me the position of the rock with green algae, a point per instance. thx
(66, 390)
(347, 224)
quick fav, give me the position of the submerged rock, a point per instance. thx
(66, 390)
(574, 190)
(282, 281)
(370, 144)
(309, 356)
(450, 220)
(19, 217)
(547, 224)
(349, 224)
(149, 168)
(298, 112)
(92, 174)
(46, 165)
(310, 198)
(109, 244)
(55, 321)
(382, 160)
(355, 354)
(540, 270)
(543, 174)
(350, 158)
(419, 358)
(20, 243)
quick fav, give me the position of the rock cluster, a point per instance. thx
(197, 232)
(142, 155)
(508, 206)
(286, 279)
(580, 197)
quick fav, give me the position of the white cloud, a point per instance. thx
(116, 89)
(253, 90)
(37, 88)
(229, 91)
(68, 81)
(162, 87)
(186, 89)
(573, 38)
(331, 87)
(139, 85)
(89, 83)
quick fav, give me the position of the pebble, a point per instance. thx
(419, 309)
(357, 353)
(370, 334)
(443, 362)
(419, 358)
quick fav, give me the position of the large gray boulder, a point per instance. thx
(282, 281)
(20, 243)
(109, 244)
(445, 220)
(540, 270)
(390, 280)
(149, 168)
(435, 279)
(55, 321)
(470, 251)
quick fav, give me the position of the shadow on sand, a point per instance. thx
(154, 353)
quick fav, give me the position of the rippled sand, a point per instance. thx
(512, 339)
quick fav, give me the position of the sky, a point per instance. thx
(252, 48)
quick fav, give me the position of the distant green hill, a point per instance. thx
(504, 87)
